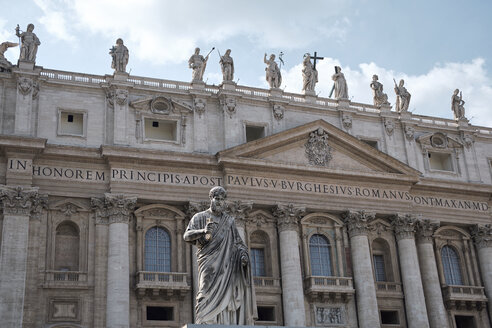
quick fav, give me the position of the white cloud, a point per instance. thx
(12, 54)
(172, 29)
(431, 92)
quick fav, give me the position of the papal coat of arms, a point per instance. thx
(318, 151)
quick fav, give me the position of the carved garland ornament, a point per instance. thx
(114, 208)
(25, 85)
(425, 230)
(404, 225)
(482, 235)
(318, 151)
(278, 112)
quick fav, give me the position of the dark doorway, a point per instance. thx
(464, 321)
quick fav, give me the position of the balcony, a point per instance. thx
(464, 297)
(389, 289)
(267, 285)
(165, 284)
(65, 279)
(329, 288)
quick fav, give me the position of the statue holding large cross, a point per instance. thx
(309, 73)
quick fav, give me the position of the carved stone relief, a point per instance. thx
(288, 216)
(409, 132)
(318, 151)
(161, 105)
(389, 126)
(357, 222)
(467, 140)
(121, 96)
(199, 105)
(328, 315)
(228, 105)
(278, 111)
(346, 121)
(404, 225)
(25, 85)
(482, 235)
(64, 310)
(18, 200)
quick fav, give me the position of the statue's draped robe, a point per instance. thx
(225, 290)
(341, 90)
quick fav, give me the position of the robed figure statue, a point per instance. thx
(225, 288)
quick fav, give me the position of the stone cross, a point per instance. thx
(314, 59)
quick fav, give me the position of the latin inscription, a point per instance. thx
(353, 191)
(184, 179)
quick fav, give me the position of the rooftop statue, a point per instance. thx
(227, 66)
(380, 98)
(225, 288)
(5, 65)
(120, 56)
(198, 63)
(457, 105)
(29, 43)
(340, 84)
(272, 72)
(402, 97)
(309, 74)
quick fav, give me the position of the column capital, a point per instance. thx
(195, 207)
(288, 216)
(357, 222)
(239, 210)
(425, 230)
(114, 208)
(482, 235)
(19, 200)
(404, 225)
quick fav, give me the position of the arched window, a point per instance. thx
(67, 241)
(157, 250)
(319, 249)
(451, 266)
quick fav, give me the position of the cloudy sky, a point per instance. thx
(436, 46)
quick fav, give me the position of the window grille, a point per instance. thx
(258, 262)
(157, 250)
(451, 266)
(379, 270)
(319, 249)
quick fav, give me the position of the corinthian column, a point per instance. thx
(17, 204)
(290, 263)
(482, 235)
(404, 226)
(239, 209)
(430, 277)
(365, 288)
(118, 210)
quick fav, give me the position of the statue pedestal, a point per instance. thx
(462, 122)
(276, 92)
(385, 109)
(26, 65)
(343, 103)
(310, 96)
(121, 76)
(228, 85)
(198, 85)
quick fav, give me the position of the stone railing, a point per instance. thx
(334, 288)
(474, 293)
(183, 87)
(162, 280)
(388, 287)
(70, 279)
(266, 282)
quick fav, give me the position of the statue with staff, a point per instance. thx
(457, 105)
(198, 63)
(272, 72)
(29, 43)
(402, 97)
(339, 84)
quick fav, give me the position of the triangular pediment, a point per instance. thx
(317, 146)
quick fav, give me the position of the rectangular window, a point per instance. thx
(379, 271)
(372, 143)
(160, 313)
(71, 123)
(266, 313)
(160, 129)
(440, 161)
(254, 132)
(390, 318)
(258, 262)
